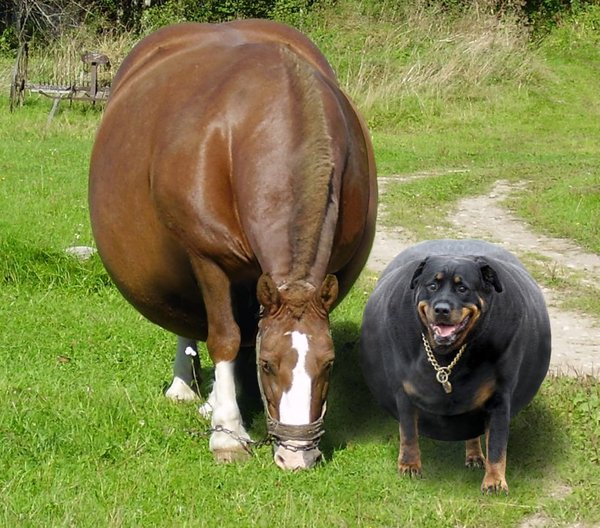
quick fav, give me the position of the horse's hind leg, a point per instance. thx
(186, 371)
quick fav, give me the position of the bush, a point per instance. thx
(173, 11)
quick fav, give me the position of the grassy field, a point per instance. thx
(86, 437)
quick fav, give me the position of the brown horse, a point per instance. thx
(233, 200)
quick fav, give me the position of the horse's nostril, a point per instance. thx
(279, 461)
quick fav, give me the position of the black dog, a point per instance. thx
(455, 341)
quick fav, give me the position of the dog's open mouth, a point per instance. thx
(446, 334)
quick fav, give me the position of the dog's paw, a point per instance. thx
(493, 485)
(475, 461)
(412, 469)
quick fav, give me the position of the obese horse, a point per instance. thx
(233, 201)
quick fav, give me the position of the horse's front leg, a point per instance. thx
(228, 438)
(186, 371)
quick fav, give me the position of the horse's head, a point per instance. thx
(295, 355)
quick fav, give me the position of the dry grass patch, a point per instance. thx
(418, 50)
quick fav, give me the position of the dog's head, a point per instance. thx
(451, 294)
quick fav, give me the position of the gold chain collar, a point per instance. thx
(442, 373)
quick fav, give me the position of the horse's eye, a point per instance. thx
(266, 366)
(328, 366)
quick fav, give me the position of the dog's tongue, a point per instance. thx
(445, 330)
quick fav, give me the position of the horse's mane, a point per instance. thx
(313, 166)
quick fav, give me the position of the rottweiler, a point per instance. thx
(455, 340)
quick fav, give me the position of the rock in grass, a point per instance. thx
(81, 252)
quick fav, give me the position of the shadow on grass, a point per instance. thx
(353, 415)
(537, 437)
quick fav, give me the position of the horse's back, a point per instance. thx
(206, 38)
(191, 152)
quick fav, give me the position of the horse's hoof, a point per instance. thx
(206, 410)
(180, 391)
(228, 456)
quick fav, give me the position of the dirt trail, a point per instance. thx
(575, 336)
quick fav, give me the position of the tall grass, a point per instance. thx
(59, 62)
(405, 53)
(386, 54)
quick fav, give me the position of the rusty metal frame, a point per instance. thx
(91, 93)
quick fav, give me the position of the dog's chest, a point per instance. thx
(469, 390)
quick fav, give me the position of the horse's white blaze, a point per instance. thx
(294, 408)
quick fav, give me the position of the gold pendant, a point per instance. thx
(442, 378)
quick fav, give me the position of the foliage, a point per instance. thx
(174, 11)
(8, 40)
(44, 20)
(548, 14)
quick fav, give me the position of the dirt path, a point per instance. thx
(575, 336)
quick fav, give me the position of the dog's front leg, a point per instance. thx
(496, 437)
(473, 454)
(409, 459)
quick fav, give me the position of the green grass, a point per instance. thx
(89, 439)
(86, 437)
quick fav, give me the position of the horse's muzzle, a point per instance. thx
(296, 446)
(294, 456)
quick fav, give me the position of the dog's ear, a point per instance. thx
(489, 275)
(417, 274)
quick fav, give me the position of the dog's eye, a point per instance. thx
(461, 288)
(432, 286)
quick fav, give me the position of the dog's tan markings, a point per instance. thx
(494, 480)
(483, 393)
(439, 276)
(422, 309)
(472, 311)
(409, 388)
(409, 459)
(457, 279)
(473, 454)
(481, 303)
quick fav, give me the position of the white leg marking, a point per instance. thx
(185, 368)
(226, 412)
(206, 409)
(294, 408)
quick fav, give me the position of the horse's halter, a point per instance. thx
(281, 433)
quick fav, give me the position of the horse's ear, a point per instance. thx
(328, 292)
(489, 275)
(267, 293)
(417, 274)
